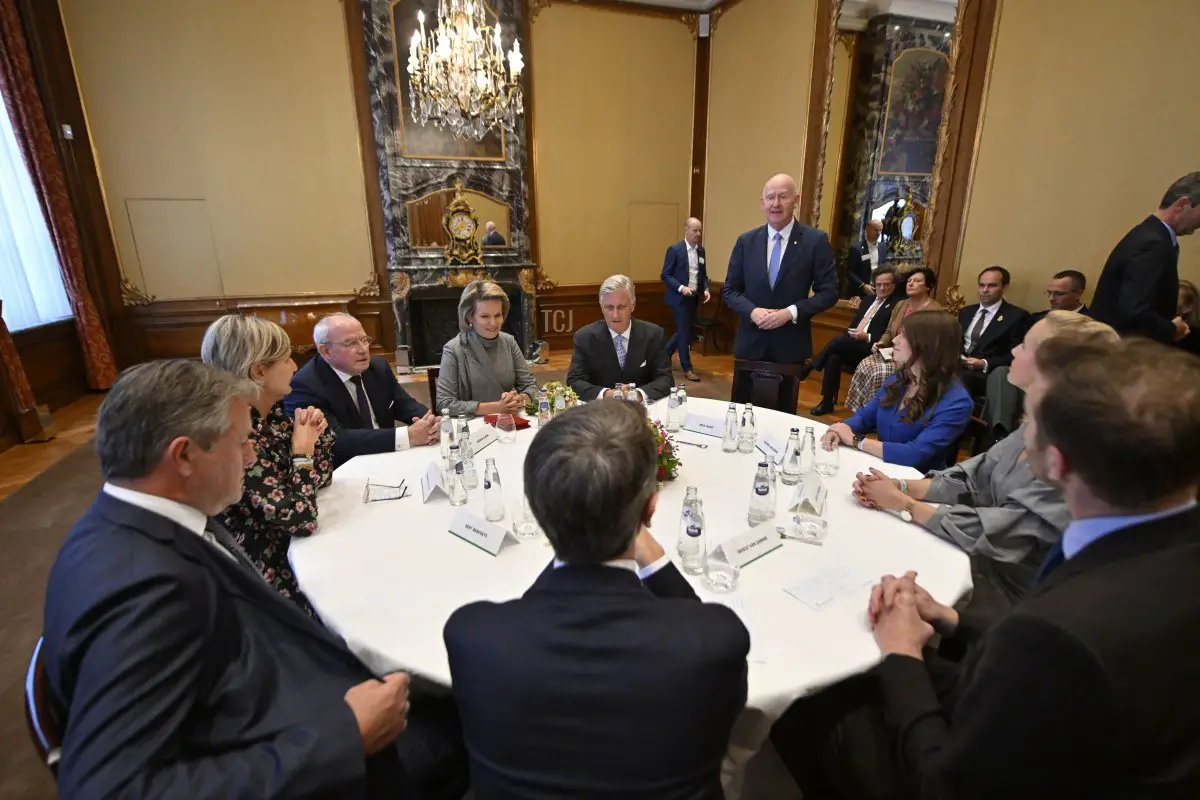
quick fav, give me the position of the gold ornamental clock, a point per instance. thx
(460, 225)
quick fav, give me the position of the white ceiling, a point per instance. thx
(855, 13)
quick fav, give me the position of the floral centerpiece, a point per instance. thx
(551, 388)
(668, 459)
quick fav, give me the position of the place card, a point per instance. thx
(809, 497)
(487, 536)
(705, 425)
(750, 546)
(771, 447)
(432, 484)
(482, 436)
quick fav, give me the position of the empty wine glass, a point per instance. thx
(506, 428)
(525, 525)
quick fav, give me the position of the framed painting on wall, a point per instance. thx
(430, 141)
(916, 95)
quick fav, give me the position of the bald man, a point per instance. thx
(492, 236)
(864, 258)
(780, 276)
(686, 278)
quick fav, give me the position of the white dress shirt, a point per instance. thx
(873, 254)
(183, 515)
(992, 311)
(624, 337)
(631, 565)
(786, 233)
(1174, 236)
(401, 432)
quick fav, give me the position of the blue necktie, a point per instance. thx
(619, 341)
(1053, 559)
(773, 266)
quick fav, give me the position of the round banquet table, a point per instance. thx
(387, 575)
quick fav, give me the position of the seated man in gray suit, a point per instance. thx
(179, 670)
(620, 350)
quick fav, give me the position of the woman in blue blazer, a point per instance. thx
(922, 410)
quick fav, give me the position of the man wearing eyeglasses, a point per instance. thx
(780, 276)
(363, 402)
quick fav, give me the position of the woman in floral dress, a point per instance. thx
(294, 457)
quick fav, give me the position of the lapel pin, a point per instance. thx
(1000, 318)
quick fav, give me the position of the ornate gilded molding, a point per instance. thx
(132, 295)
(401, 285)
(846, 39)
(692, 22)
(690, 19)
(536, 6)
(527, 278)
(943, 137)
(370, 288)
(954, 300)
(544, 283)
(459, 278)
(826, 102)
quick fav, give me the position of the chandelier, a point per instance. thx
(456, 74)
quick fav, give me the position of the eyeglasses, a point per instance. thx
(350, 344)
(782, 197)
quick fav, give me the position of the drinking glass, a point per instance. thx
(506, 428)
(827, 461)
(720, 576)
(525, 525)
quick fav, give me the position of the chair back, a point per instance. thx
(431, 375)
(41, 713)
(767, 384)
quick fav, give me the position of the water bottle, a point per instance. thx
(458, 487)
(673, 411)
(808, 451)
(681, 394)
(761, 509)
(493, 498)
(685, 516)
(543, 407)
(447, 432)
(791, 471)
(693, 553)
(465, 445)
(747, 436)
(729, 442)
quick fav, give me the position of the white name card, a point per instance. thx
(431, 483)
(771, 447)
(705, 425)
(751, 545)
(809, 497)
(487, 536)
(482, 437)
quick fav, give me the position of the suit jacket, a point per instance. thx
(595, 685)
(879, 322)
(594, 365)
(184, 674)
(807, 268)
(1003, 333)
(1139, 288)
(1087, 689)
(858, 264)
(675, 272)
(316, 384)
(494, 239)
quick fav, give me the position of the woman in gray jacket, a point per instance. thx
(483, 370)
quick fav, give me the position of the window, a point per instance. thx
(31, 281)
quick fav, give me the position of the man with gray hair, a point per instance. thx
(180, 671)
(492, 237)
(366, 407)
(1138, 291)
(620, 351)
(626, 684)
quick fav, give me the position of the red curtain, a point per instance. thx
(25, 109)
(10, 359)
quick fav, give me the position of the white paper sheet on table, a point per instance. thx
(825, 587)
(738, 606)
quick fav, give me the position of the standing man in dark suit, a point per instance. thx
(780, 276)
(180, 671)
(991, 329)
(492, 237)
(366, 406)
(864, 258)
(620, 350)
(848, 349)
(686, 278)
(608, 678)
(1086, 688)
(1138, 289)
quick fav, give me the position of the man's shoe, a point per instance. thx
(691, 376)
(805, 371)
(822, 408)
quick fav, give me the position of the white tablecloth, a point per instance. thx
(387, 575)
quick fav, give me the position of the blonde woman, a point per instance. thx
(992, 505)
(294, 457)
(483, 370)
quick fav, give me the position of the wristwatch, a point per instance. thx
(906, 512)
